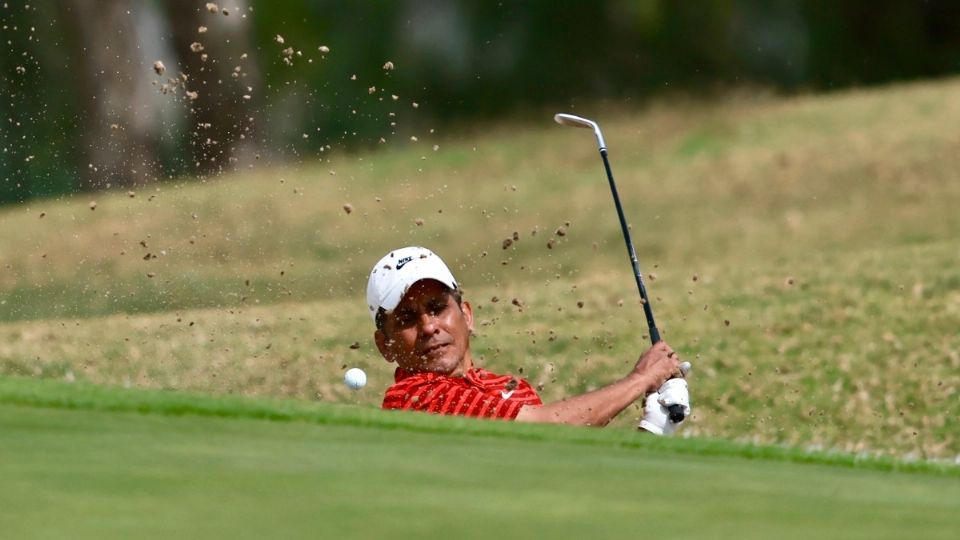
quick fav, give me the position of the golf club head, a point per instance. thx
(572, 120)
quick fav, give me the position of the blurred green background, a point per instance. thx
(82, 108)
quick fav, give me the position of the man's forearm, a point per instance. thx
(595, 408)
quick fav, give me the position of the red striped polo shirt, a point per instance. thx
(478, 393)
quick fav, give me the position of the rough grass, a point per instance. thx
(803, 254)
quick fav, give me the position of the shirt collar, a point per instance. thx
(473, 375)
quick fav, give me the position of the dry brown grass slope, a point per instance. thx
(804, 254)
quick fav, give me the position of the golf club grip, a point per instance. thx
(654, 333)
(675, 413)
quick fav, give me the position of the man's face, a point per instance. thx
(428, 331)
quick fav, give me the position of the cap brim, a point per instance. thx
(392, 298)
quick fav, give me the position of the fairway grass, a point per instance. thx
(801, 252)
(90, 462)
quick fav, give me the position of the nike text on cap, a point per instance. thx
(397, 271)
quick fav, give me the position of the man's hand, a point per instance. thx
(656, 417)
(656, 365)
(675, 392)
(598, 407)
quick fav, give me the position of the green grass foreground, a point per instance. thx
(83, 461)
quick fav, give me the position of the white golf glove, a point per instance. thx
(675, 392)
(656, 417)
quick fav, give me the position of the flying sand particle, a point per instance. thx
(348, 208)
(159, 68)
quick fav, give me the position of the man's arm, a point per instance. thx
(598, 407)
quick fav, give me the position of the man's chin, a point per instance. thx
(442, 366)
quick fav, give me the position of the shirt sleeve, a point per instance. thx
(443, 397)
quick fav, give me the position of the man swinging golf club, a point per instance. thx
(423, 324)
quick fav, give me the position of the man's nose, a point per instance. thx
(428, 323)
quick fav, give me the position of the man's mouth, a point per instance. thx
(434, 349)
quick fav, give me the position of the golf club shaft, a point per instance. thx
(647, 310)
(675, 412)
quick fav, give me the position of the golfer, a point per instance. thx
(424, 326)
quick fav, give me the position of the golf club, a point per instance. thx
(676, 411)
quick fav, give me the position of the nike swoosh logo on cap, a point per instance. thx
(403, 262)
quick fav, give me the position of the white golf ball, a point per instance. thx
(355, 378)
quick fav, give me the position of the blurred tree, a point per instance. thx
(314, 70)
(119, 134)
(215, 48)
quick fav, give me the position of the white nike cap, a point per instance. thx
(397, 271)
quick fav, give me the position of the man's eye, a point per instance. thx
(436, 308)
(404, 317)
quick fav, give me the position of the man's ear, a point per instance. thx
(381, 340)
(467, 310)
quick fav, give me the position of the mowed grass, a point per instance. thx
(801, 252)
(86, 462)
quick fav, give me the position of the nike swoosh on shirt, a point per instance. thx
(506, 395)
